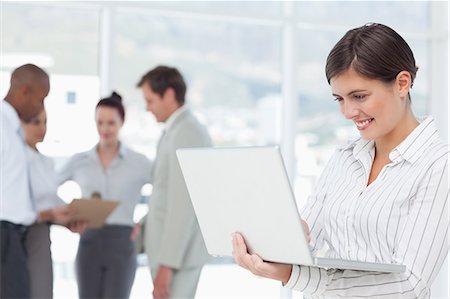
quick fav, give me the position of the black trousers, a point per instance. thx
(106, 263)
(14, 276)
(39, 261)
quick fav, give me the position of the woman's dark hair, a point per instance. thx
(113, 101)
(374, 51)
(163, 77)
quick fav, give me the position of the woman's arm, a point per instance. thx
(66, 172)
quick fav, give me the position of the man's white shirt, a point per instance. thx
(15, 200)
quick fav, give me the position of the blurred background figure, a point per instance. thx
(173, 241)
(29, 86)
(51, 208)
(106, 258)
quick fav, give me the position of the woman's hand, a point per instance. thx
(77, 226)
(307, 232)
(256, 265)
(135, 232)
(62, 215)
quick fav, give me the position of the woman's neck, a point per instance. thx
(391, 140)
(107, 153)
(32, 146)
(109, 148)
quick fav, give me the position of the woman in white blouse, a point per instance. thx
(382, 198)
(106, 258)
(51, 209)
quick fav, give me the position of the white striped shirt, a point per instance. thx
(402, 217)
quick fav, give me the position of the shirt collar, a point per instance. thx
(174, 116)
(11, 115)
(410, 149)
(357, 146)
(122, 151)
(362, 147)
(417, 142)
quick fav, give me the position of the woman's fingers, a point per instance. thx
(256, 264)
(306, 229)
(248, 261)
(240, 253)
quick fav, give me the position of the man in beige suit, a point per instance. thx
(173, 242)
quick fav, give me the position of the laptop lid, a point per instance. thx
(245, 190)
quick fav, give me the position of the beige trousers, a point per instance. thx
(184, 281)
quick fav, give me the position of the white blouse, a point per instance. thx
(402, 217)
(43, 181)
(122, 180)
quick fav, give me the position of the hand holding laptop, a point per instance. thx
(256, 264)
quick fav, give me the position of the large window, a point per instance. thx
(64, 41)
(232, 71)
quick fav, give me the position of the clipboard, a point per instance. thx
(92, 210)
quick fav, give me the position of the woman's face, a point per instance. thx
(35, 129)
(375, 107)
(108, 122)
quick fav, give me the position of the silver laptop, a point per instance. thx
(247, 190)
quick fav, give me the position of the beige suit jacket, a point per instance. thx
(172, 234)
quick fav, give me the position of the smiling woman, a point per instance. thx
(376, 108)
(382, 198)
(106, 258)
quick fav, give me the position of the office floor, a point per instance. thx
(220, 280)
(217, 281)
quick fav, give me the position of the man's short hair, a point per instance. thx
(163, 77)
(28, 74)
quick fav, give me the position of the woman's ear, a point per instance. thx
(403, 83)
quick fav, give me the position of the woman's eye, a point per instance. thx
(338, 99)
(359, 97)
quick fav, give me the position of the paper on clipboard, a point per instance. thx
(93, 211)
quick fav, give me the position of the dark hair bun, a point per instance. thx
(113, 101)
(116, 96)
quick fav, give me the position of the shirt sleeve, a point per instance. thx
(147, 171)
(66, 172)
(43, 183)
(57, 201)
(422, 248)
